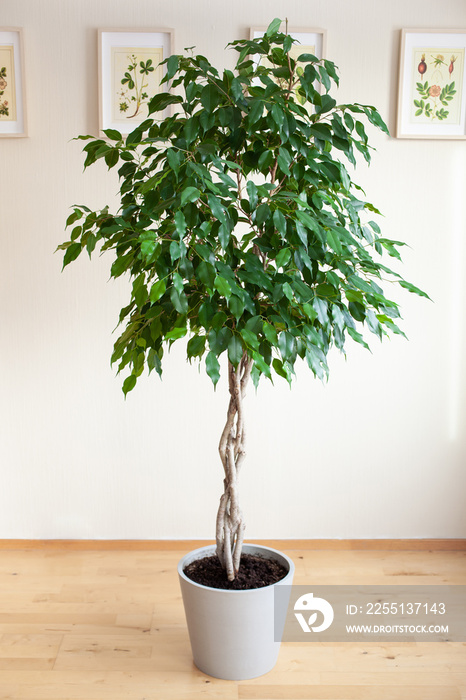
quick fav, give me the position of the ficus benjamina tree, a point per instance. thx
(241, 229)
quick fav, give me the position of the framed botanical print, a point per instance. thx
(130, 74)
(12, 96)
(432, 90)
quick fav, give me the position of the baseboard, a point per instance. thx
(447, 545)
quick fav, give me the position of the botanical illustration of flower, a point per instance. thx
(134, 80)
(422, 67)
(436, 93)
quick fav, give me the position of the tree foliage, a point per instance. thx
(240, 226)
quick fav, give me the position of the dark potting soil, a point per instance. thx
(254, 572)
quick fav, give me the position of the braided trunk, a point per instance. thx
(230, 524)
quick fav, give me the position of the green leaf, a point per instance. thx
(174, 251)
(321, 306)
(222, 339)
(256, 110)
(357, 311)
(77, 214)
(180, 223)
(288, 292)
(277, 115)
(354, 295)
(212, 367)
(357, 337)
(205, 272)
(216, 207)
(262, 213)
(121, 265)
(189, 194)
(252, 193)
(71, 254)
(222, 286)
(157, 291)
(279, 222)
(413, 289)
(210, 97)
(172, 66)
(163, 100)
(270, 333)
(260, 363)
(250, 338)
(286, 345)
(219, 319)
(129, 384)
(284, 160)
(176, 333)
(113, 134)
(310, 312)
(307, 58)
(178, 282)
(283, 257)
(287, 43)
(179, 301)
(112, 157)
(273, 27)
(334, 242)
(236, 306)
(316, 361)
(235, 350)
(196, 346)
(307, 220)
(279, 369)
(224, 236)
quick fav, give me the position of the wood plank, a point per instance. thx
(440, 544)
(165, 650)
(25, 664)
(115, 685)
(388, 657)
(355, 692)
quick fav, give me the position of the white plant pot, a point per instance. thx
(232, 632)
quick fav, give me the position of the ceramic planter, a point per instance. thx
(232, 632)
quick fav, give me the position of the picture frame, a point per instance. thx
(13, 122)
(130, 74)
(310, 40)
(432, 84)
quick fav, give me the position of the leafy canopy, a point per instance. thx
(240, 226)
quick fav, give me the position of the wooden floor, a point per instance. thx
(109, 625)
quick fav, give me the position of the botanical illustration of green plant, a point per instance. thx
(4, 107)
(437, 94)
(134, 80)
(136, 75)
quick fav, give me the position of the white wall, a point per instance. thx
(378, 452)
